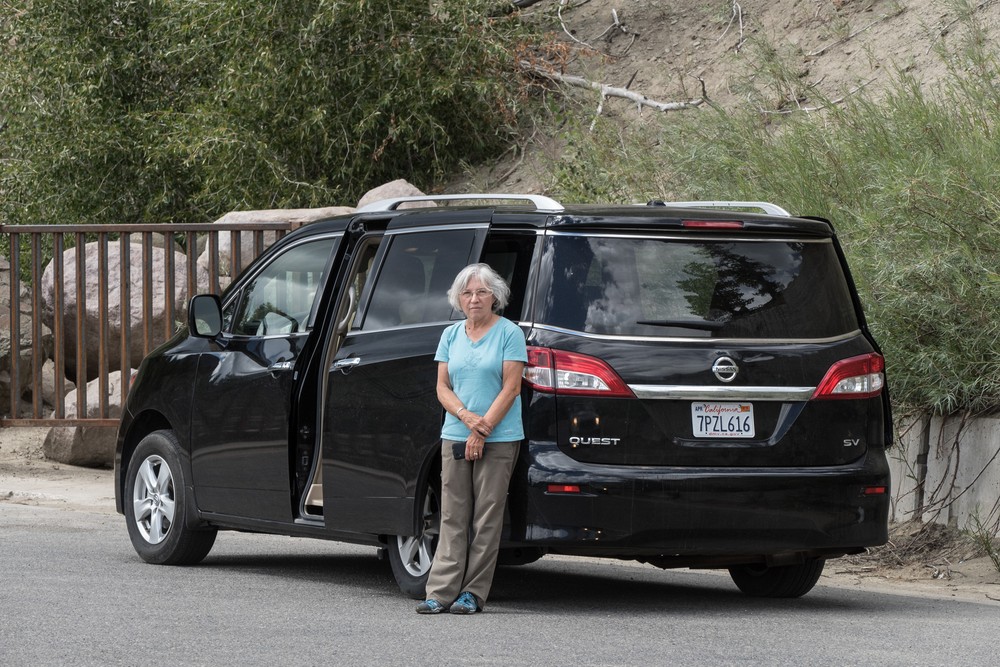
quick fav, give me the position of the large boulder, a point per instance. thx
(392, 190)
(156, 318)
(92, 446)
(296, 216)
(27, 353)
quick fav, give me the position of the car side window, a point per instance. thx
(509, 254)
(415, 276)
(279, 299)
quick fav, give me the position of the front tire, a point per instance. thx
(784, 581)
(156, 504)
(411, 556)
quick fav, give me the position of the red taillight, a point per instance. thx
(564, 488)
(857, 377)
(874, 490)
(712, 224)
(560, 372)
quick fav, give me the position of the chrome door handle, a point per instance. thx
(281, 366)
(343, 365)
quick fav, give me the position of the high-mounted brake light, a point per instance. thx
(564, 488)
(857, 377)
(560, 372)
(713, 224)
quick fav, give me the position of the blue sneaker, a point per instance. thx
(465, 604)
(430, 607)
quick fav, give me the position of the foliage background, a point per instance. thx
(125, 111)
(131, 111)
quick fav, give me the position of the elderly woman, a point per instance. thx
(480, 362)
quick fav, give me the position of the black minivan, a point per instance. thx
(702, 391)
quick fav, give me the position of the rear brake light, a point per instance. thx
(857, 377)
(564, 488)
(560, 372)
(713, 224)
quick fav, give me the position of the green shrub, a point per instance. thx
(910, 181)
(125, 111)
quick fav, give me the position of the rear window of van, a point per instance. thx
(649, 286)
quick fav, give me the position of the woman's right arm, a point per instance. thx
(447, 397)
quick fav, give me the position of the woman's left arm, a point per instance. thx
(512, 373)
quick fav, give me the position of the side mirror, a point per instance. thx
(205, 316)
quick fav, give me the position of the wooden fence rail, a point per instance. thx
(31, 245)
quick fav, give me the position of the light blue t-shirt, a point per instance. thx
(476, 374)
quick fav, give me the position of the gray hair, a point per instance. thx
(490, 279)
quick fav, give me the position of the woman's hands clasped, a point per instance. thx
(479, 430)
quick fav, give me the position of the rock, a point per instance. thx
(26, 353)
(49, 383)
(92, 315)
(296, 216)
(92, 446)
(392, 190)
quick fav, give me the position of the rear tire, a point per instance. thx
(411, 556)
(784, 581)
(156, 504)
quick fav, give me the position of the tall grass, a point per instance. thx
(910, 180)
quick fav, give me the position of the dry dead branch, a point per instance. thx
(947, 27)
(617, 24)
(562, 22)
(737, 15)
(842, 40)
(611, 91)
(801, 109)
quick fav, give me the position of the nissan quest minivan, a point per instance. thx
(702, 391)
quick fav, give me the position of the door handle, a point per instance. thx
(281, 366)
(346, 364)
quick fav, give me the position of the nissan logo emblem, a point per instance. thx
(725, 369)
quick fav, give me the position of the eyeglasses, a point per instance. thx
(481, 293)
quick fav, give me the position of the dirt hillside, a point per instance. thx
(661, 48)
(675, 51)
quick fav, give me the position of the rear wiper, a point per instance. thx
(702, 325)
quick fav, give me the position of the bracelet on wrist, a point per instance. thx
(460, 411)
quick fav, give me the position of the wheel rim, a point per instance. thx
(153, 500)
(416, 552)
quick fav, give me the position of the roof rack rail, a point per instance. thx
(767, 207)
(540, 202)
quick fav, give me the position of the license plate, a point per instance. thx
(722, 420)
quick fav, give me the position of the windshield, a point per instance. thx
(769, 289)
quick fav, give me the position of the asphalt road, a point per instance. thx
(73, 592)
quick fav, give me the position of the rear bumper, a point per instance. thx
(700, 514)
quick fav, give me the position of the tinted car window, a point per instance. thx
(279, 299)
(711, 289)
(415, 276)
(510, 256)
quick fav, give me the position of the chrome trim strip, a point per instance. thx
(727, 393)
(541, 203)
(400, 327)
(767, 207)
(709, 341)
(447, 227)
(675, 236)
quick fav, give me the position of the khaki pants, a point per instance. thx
(473, 498)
